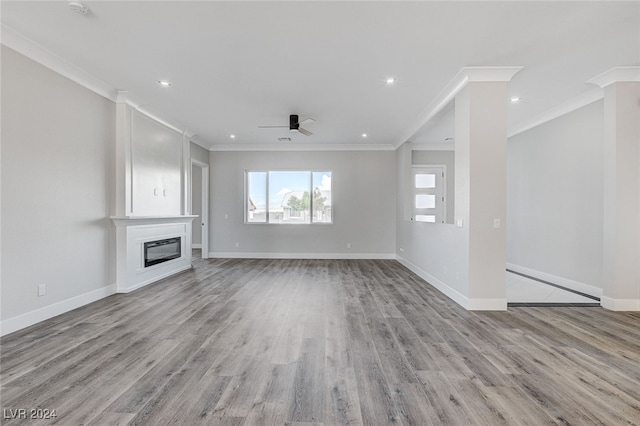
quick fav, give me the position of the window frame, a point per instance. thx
(311, 188)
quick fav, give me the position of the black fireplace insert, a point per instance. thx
(162, 251)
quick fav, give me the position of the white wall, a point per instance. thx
(364, 187)
(57, 146)
(555, 198)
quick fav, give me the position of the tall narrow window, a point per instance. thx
(428, 194)
(289, 197)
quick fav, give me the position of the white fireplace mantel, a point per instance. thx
(131, 234)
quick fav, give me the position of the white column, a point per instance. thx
(621, 218)
(123, 173)
(481, 164)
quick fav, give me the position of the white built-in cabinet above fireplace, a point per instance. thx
(152, 162)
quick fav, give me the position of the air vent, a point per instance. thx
(78, 7)
(284, 139)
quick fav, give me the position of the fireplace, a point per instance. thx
(162, 251)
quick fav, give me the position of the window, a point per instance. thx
(428, 194)
(293, 197)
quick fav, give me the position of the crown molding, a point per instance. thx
(465, 76)
(45, 57)
(583, 100)
(32, 50)
(615, 75)
(300, 147)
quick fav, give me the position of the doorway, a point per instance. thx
(199, 205)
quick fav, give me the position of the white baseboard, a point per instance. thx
(455, 295)
(196, 246)
(25, 320)
(620, 304)
(564, 282)
(262, 255)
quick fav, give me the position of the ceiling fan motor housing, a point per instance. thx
(294, 124)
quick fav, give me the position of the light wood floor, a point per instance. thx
(329, 342)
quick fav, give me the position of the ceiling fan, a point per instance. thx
(294, 125)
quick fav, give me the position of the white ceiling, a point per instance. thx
(236, 65)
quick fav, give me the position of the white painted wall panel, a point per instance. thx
(157, 164)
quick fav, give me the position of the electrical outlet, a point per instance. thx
(42, 289)
(237, 244)
(401, 250)
(496, 223)
(348, 245)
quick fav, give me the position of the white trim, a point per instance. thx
(266, 255)
(453, 294)
(486, 305)
(620, 304)
(554, 279)
(196, 246)
(152, 280)
(30, 318)
(465, 75)
(615, 75)
(18, 42)
(302, 147)
(583, 100)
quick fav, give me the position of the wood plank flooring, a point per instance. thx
(320, 342)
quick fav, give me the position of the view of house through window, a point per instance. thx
(288, 197)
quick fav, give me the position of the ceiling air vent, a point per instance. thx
(284, 139)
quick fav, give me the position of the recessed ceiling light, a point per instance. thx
(514, 100)
(364, 135)
(232, 136)
(390, 80)
(164, 83)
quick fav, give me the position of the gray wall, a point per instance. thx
(429, 157)
(57, 146)
(364, 187)
(199, 153)
(555, 197)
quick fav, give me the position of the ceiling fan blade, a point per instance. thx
(306, 121)
(304, 131)
(272, 127)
